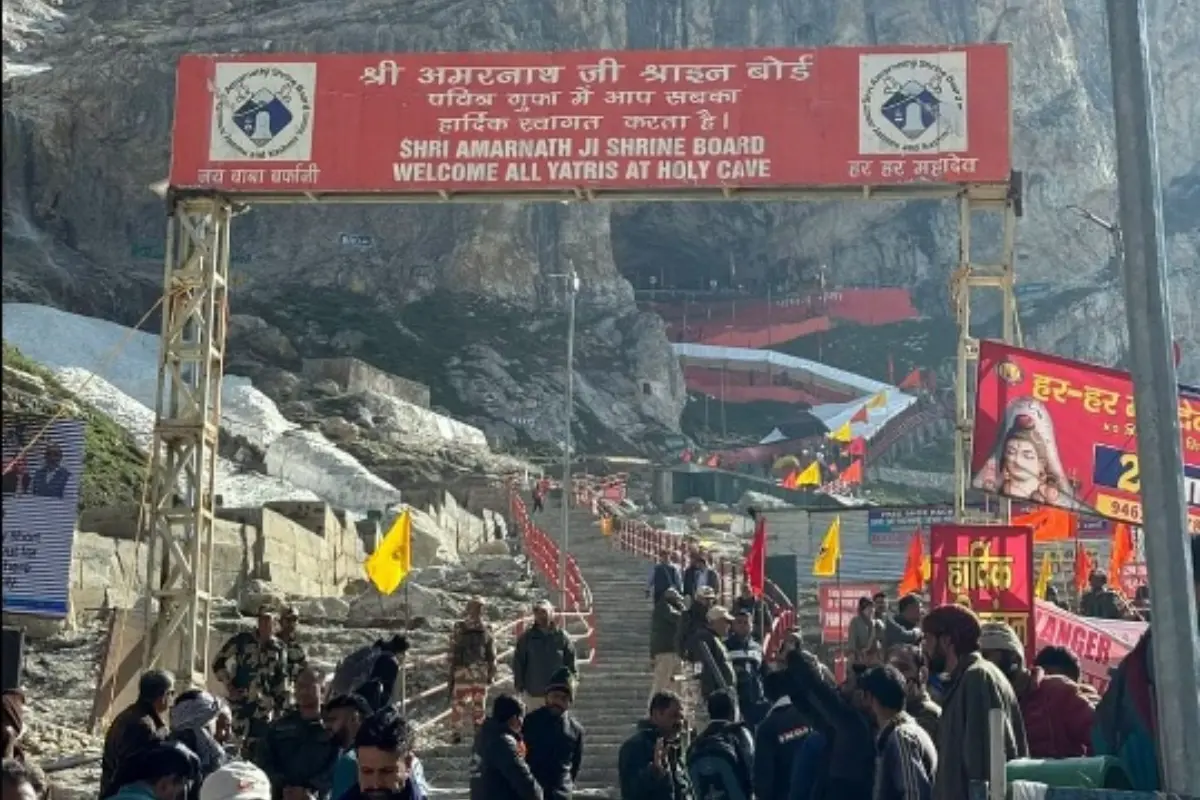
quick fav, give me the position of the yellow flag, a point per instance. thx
(392, 560)
(926, 568)
(811, 476)
(878, 401)
(826, 563)
(842, 434)
(1043, 579)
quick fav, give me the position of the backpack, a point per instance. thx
(354, 670)
(716, 771)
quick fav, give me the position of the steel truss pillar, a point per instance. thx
(177, 515)
(979, 209)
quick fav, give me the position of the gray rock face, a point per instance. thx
(84, 139)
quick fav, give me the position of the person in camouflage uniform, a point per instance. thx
(252, 666)
(472, 660)
(297, 659)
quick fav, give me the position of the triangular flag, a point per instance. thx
(861, 415)
(1083, 568)
(1120, 555)
(858, 447)
(842, 434)
(914, 577)
(392, 560)
(1045, 573)
(756, 560)
(878, 401)
(911, 381)
(826, 563)
(810, 475)
(1049, 524)
(853, 473)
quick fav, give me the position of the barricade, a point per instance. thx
(647, 541)
(542, 553)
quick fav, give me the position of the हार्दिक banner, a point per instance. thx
(1062, 433)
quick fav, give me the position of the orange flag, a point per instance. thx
(1049, 524)
(861, 415)
(858, 447)
(853, 473)
(914, 574)
(1083, 568)
(912, 380)
(1120, 555)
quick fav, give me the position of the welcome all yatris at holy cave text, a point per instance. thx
(533, 160)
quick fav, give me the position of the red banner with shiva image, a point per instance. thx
(987, 568)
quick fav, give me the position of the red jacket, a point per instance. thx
(1058, 717)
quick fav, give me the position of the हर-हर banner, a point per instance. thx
(1062, 433)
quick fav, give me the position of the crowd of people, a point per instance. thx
(910, 721)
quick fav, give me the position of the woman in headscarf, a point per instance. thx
(193, 721)
(12, 723)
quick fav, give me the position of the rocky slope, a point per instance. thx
(84, 140)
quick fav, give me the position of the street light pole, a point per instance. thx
(572, 283)
(1176, 651)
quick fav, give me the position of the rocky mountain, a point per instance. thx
(463, 297)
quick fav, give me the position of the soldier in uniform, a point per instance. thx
(297, 659)
(253, 668)
(472, 660)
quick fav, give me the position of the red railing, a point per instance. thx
(647, 541)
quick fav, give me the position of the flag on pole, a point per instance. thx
(842, 434)
(809, 476)
(1045, 572)
(756, 560)
(861, 415)
(1083, 567)
(853, 474)
(914, 572)
(878, 401)
(392, 560)
(1120, 554)
(1049, 524)
(912, 380)
(826, 563)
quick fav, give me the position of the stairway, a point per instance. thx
(614, 690)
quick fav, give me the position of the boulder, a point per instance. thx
(410, 601)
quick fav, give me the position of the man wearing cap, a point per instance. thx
(472, 659)
(252, 666)
(707, 648)
(1058, 716)
(554, 739)
(541, 651)
(237, 780)
(297, 659)
(974, 689)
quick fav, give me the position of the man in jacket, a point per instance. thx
(650, 764)
(864, 638)
(777, 740)
(746, 658)
(699, 574)
(706, 647)
(554, 740)
(498, 767)
(541, 651)
(289, 637)
(1058, 716)
(721, 758)
(975, 687)
(664, 624)
(664, 575)
(252, 666)
(384, 747)
(1099, 600)
(903, 627)
(757, 608)
(297, 752)
(919, 705)
(905, 757)
(136, 729)
(162, 771)
(472, 661)
(344, 715)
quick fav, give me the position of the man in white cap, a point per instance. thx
(706, 649)
(541, 652)
(237, 780)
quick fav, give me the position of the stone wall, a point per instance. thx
(352, 375)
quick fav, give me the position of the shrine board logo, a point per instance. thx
(912, 104)
(262, 112)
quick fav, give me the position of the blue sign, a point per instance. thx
(360, 241)
(893, 527)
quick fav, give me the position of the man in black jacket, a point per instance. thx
(777, 740)
(384, 746)
(498, 767)
(746, 658)
(650, 764)
(721, 759)
(905, 626)
(664, 575)
(554, 740)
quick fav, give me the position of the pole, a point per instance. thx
(1173, 624)
(572, 289)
